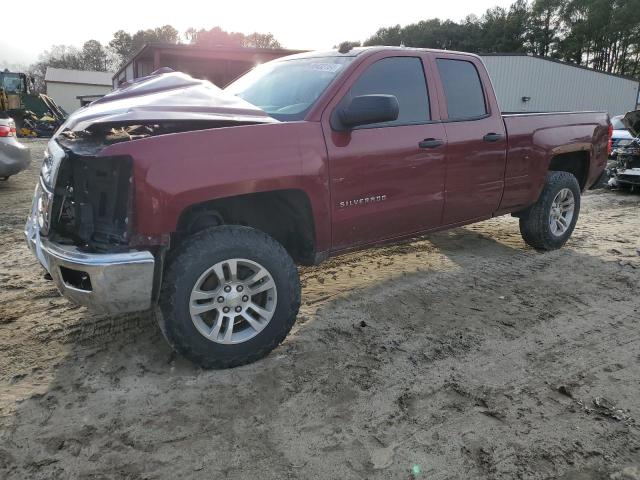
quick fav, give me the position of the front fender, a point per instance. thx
(175, 171)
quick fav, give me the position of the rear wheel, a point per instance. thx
(549, 223)
(230, 295)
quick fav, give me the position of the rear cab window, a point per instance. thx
(463, 89)
(402, 77)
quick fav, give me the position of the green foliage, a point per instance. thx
(601, 34)
(261, 40)
(164, 34)
(122, 45)
(347, 45)
(545, 26)
(94, 56)
(216, 37)
(219, 37)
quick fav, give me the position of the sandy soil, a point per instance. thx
(462, 355)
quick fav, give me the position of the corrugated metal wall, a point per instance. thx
(556, 87)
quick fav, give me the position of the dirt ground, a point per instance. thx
(462, 355)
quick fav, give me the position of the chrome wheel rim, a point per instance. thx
(561, 214)
(233, 301)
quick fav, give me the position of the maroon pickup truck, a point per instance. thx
(170, 193)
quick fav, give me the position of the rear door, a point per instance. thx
(476, 137)
(383, 183)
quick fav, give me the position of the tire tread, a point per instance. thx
(534, 226)
(188, 253)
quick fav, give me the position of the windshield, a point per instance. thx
(617, 124)
(287, 89)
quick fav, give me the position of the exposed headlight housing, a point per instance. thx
(43, 211)
(53, 156)
(41, 208)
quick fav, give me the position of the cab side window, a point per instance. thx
(462, 89)
(402, 77)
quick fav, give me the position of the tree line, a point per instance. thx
(600, 34)
(104, 58)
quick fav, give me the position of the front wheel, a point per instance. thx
(230, 295)
(549, 223)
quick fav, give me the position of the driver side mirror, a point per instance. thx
(365, 110)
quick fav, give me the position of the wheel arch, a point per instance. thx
(577, 163)
(286, 215)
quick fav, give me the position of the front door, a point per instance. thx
(387, 180)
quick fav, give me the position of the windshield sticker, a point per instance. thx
(326, 67)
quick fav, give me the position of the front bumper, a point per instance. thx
(105, 282)
(629, 176)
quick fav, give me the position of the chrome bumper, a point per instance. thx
(111, 282)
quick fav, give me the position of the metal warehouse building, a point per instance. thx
(523, 83)
(526, 83)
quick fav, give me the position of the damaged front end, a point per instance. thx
(624, 169)
(82, 224)
(92, 202)
(93, 198)
(78, 230)
(93, 194)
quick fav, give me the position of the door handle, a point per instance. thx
(492, 137)
(431, 143)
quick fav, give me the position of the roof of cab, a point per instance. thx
(356, 51)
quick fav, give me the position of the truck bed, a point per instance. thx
(534, 138)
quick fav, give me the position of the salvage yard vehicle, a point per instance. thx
(624, 168)
(172, 194)
(14, 156)
(35, 114)
(620, 136)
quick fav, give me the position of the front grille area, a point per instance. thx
(92, 202)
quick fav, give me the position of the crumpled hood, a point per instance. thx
(170, 96)
(632, 121)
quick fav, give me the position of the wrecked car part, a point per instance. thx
(92, 202)
(99, 136)
(629, 177)
(93, 194)
(92, 205)
(632, 121)
(624, 169)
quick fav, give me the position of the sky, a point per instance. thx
(296, 24)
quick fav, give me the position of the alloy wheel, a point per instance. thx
(233, 301)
